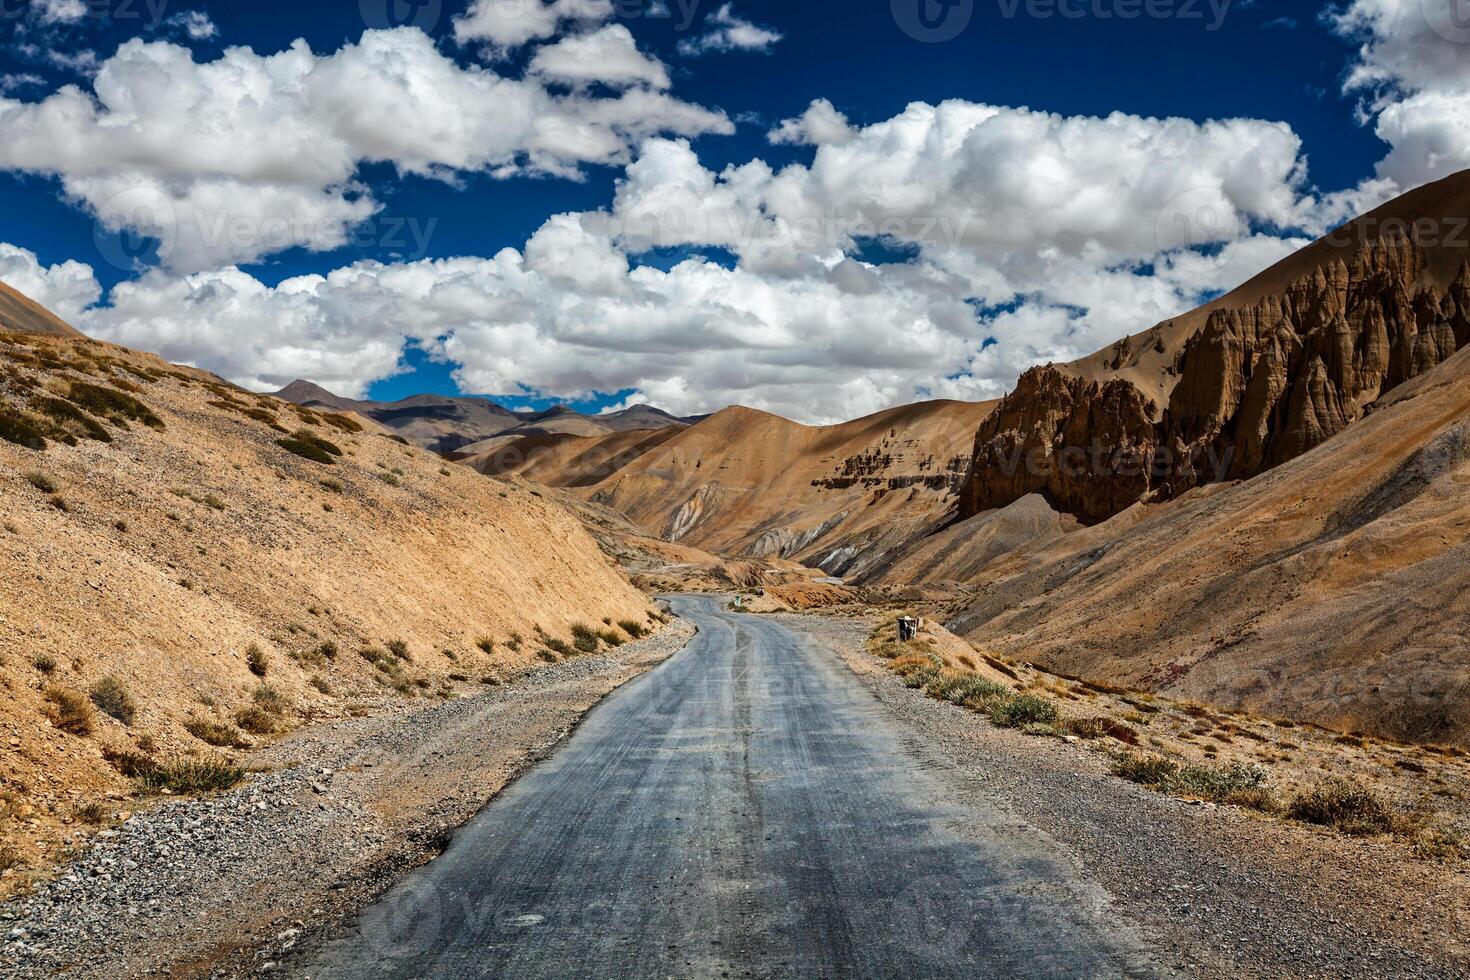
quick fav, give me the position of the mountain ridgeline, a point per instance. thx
(1259, 383)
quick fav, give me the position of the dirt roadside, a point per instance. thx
(220, 886)
(1225, 892)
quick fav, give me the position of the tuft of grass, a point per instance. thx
(1153, 770)
(1104, 727)
(399, 649)
(632, 628)
(269, 699)
(486, 645)
(967, 689)
(45, 663)
(335, 486)
(10, 859)
(42, 482)
(306, 451)
(190, 776)
(221, 736)
(256, 720)
(71, 419)
(321, 684)
(70, 712)
(548, 655)
(1021, 710)
(113, 699)
(111, 404)
(611, 637)
(256, 660)
(93, 813)
(341, 422)
(1344, 806)
(59, 503)
(20, 430)
(584, 638)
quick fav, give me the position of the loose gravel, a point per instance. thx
(1219, 890)
(221, 886)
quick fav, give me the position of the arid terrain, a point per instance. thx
(193, 569)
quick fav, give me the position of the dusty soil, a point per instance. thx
(158, 550)
(226, 884)
(1230, 892)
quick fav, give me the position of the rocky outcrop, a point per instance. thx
(1256, 386)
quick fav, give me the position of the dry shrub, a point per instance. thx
(1344, 806)
(215, 733)
(70, 712)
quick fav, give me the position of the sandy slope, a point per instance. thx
(180, 547)
(1333, 588)
(20, 314)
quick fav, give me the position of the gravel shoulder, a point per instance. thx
(223, 885)
(1217, 891)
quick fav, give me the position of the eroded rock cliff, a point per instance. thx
(1256, 386)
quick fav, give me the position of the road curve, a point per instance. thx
(745, 810)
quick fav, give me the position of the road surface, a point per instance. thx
(745, 810)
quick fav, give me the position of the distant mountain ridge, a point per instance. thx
(20, 314)
(464, 426)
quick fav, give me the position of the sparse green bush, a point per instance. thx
(70, 712)
(307, 450)
(1345, 806)
(189, 776)
(1217, 782)
(112, 404)
(112, 699)
(270, 699)
(972, 690)
(256, 660)
(1154, 770)
(584, 638)
(1021, 710)
(256, 720)
(214, 733)
(20, 430)
(71, 418)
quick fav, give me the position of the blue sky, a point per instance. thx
(1288, 65)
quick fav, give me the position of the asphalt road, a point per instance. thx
(745, 810)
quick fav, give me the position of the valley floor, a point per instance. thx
(264, 875)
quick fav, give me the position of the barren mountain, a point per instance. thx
(844, 498)
(187, 563)
(468, 426)
(20, 314)
(1250, 381)
(1332, 588)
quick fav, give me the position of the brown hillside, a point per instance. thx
(1332, 589)
(162, 533)
(844, 498)
(19, 314)
(1246, 383)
